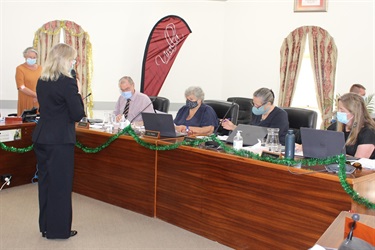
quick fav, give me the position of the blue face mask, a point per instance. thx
(30, 61)
(127, 94)
(259, 111)
(342, 117)
(191, 104)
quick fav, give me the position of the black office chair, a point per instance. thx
(245, 106)
(299, 117)
(221, 108)
(160, 103)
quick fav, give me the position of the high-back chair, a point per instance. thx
(245, 106)
(221, 108)
(299, 117)
(160, 103)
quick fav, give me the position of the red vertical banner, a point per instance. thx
(163, 45)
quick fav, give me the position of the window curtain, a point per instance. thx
(323, 52)
(49, 35)
(291, 55)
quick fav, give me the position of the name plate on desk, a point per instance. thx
(83, 125)
(190, 139)
(10, 135)
(152, 134)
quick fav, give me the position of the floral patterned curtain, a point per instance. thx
(49, 35)
(291, 55)
(323, 52)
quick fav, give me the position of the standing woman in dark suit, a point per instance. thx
(54, 138)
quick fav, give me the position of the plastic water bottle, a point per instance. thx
(238, 141)
(290, 139)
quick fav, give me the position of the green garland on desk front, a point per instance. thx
(340, 159)
(15, 150)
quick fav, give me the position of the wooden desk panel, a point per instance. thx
(22, 166)
(243, 203)
(122, 174)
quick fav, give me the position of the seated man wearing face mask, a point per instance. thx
(131, 103)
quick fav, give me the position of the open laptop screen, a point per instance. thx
(322, 143)
(250, 134)
(160, 122)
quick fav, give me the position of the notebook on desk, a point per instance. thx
(250, 134)
(162, 123)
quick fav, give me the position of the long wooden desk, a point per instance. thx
(239, 202)
(22, 166)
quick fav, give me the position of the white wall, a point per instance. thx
(232, 51)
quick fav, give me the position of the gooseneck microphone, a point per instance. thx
(225, 116)
(355, 218)
(213, 144)
(140, 112)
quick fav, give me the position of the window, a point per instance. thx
(305, 93)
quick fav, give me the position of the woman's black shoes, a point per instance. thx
(72, 233)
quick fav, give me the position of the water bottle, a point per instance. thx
(290, 139)
(238, 141)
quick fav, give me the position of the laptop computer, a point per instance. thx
(160, 122)
(322, 144)
(250, 134)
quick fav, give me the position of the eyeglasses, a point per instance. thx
(252, 103)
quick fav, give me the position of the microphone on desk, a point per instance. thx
(213, 144)
(355, 218)
(354, 243)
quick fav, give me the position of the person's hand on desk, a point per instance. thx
(181, 128)
(118, 117)
(227, 124)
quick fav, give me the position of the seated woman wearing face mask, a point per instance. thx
(195, 117)
(265, 114)
(359, 128)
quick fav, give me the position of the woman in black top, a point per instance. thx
(54, 138)
(359, 128)
(265, 114)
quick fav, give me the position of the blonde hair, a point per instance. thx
(59, 62)
(355, 104)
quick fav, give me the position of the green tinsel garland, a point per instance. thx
(15, 150)
(340, 159)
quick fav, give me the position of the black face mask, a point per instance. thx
(191, 104)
